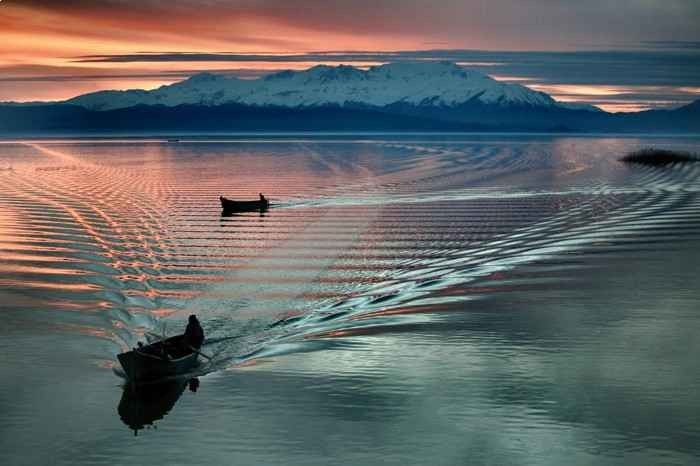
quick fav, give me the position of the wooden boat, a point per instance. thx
(229, 205)
(159, 360)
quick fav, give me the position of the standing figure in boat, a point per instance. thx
(194, 335)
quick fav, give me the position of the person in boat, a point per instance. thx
(262, 199)
(194, 335)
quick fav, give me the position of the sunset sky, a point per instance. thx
(621, 55)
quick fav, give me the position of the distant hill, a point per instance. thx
(425, 96)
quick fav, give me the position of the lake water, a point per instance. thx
(408, 300)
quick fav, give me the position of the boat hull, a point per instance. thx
(243, 206)
(147, 364)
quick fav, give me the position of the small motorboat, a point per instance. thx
(229, 205)
(159, 360)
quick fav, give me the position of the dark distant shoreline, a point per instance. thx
(341, 135)
(51, 119)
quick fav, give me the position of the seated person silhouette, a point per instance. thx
(194, 335)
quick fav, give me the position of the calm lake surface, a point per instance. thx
(442, 300)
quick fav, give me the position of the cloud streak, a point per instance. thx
(543, 24)
(596, 67)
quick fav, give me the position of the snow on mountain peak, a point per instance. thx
(437, 83)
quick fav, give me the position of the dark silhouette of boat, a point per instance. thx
(163, 359)
(659, 157)
(142, 406)
(229, 205)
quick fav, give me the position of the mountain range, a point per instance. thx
(432, 96)
(418, 84)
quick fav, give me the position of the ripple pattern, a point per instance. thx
(120, 238)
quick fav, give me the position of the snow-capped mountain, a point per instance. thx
(435, 84)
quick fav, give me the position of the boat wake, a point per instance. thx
(115, 239)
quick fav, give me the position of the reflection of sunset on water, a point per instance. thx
(381, 262)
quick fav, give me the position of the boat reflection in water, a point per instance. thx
(141, 406)
(237, 213)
